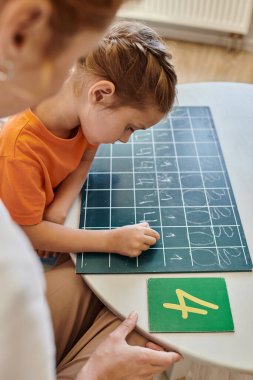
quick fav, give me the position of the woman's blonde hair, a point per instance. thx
(133, 57)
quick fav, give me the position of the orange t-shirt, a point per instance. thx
(33, 162)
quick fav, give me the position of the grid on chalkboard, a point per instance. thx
(174, 177)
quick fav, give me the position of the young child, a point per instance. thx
(126, 84)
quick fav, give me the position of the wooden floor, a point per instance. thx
(203, 63)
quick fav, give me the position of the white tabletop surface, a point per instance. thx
(232, 109)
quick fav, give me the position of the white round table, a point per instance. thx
(232, 109)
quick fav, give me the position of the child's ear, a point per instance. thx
(101, 92)
(23, 27)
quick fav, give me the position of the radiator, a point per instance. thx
(230, 16)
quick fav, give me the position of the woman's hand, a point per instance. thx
(114, 359)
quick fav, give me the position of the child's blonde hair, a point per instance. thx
(133, 57)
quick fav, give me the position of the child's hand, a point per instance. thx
(132, 240)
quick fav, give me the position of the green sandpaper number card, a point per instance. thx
(189, 305)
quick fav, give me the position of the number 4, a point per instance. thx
(181, 295)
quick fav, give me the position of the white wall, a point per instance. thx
(203, 36)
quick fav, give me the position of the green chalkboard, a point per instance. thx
(173, 176)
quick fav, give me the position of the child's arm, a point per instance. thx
(127, 241)
(69, 189)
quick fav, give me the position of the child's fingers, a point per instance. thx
(143, 224)
(153, 233)
(144, 247)
(149, 240)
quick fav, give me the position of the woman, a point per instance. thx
(39, 40)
